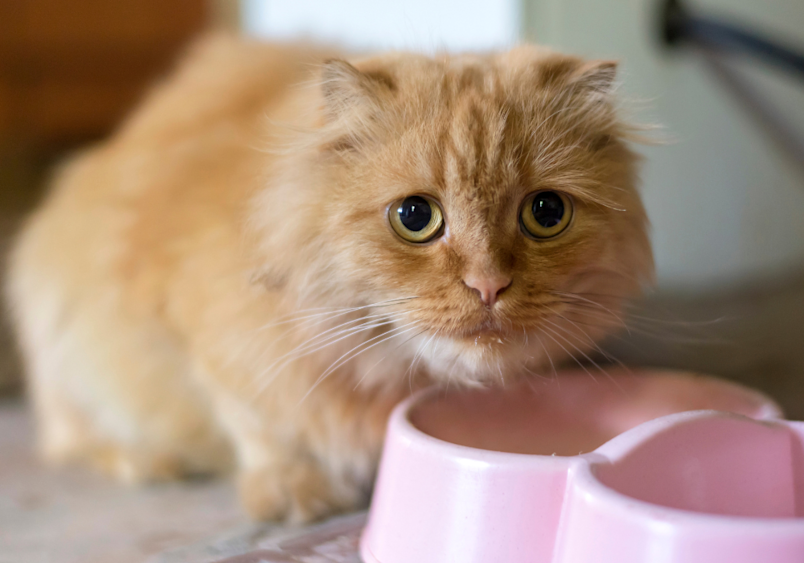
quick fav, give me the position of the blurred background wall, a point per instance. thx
(726, 204)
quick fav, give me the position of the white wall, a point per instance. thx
(725, 206)
(388, 24)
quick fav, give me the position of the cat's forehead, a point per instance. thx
(487, 128)
(480, 135)
(511, 77)
(478, 153)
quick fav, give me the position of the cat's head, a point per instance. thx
(486, 204)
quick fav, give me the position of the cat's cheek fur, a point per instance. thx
(216, 287)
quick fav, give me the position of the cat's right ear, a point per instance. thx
(346, 88)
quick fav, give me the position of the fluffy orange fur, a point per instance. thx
(217, 286)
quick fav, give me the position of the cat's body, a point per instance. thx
(218, 285)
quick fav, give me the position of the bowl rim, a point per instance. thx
(767, 409)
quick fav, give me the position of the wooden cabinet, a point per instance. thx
(71, 69)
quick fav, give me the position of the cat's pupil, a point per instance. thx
(415, 213)
(548, 209)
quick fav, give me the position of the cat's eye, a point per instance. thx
(416, 218)
(545, 214)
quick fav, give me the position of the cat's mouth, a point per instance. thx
(483, 330)
(487, 338)
(488, 333)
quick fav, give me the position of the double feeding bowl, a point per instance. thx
(644, 467)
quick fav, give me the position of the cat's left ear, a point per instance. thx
(596, 78)
(346, 88)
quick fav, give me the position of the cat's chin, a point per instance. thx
(485, 357)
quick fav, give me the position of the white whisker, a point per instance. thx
(584, 354)
(590, 341)
(583, 367)
(318, 343)
(332, 312)
(547, 353)
(343, 359)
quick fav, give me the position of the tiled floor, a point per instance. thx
(73, 516)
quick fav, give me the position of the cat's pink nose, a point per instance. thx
(489, 288)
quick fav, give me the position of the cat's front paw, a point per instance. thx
(294, 493)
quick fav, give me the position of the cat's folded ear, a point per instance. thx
(577, 77)
(595, 78)
(346, 88)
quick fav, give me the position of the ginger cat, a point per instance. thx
(279, 245)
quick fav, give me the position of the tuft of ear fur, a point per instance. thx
(345, 87)
(593, 79)
(596, 78)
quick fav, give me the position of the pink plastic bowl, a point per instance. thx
(583, 471)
